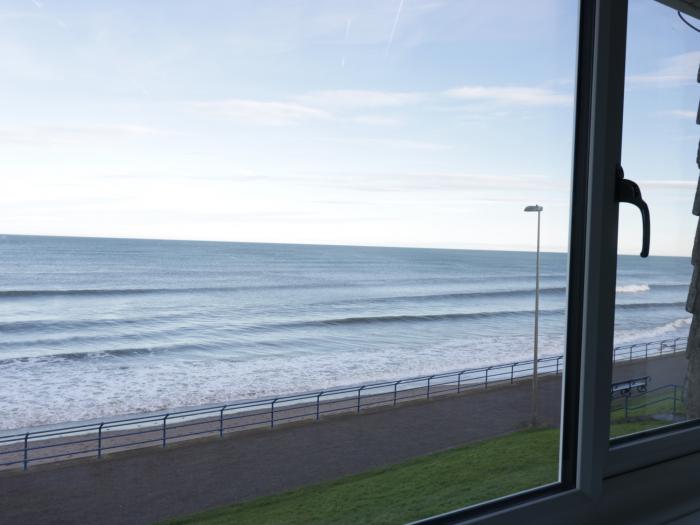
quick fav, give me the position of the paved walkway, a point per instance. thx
(148, 485)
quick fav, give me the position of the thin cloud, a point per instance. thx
(52, 134)
(478, 185)
(345, 40)
(678, 69)
(117, 129)
(669, 184)
(392, 143)
(470, 181)
(341, 103)
(347, 99)
(680, 113)
(376, 120)
(511, 95)
(315, 105)
(393, 28)
(274, 113)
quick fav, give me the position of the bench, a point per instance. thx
(624, 388)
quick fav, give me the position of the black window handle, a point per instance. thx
(627, 191)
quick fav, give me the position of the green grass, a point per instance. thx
(417, 488)
(411, 490)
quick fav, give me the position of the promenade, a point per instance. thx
(146, 485)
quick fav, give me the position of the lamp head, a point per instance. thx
(536, 207)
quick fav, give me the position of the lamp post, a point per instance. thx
(535, 398)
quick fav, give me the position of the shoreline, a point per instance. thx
(469, 375)
(20, 450)
(514, 369)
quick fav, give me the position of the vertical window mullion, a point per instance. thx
(601, 241)
(577, 247)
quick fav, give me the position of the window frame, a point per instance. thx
(598, 475)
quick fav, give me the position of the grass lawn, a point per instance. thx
(417, 488)
(411, 490)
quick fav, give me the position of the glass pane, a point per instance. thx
(654, 369)
(342, 297)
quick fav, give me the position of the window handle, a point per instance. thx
(627, 191)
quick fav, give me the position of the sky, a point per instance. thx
(427, 123)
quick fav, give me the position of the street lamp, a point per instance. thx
(535, 400)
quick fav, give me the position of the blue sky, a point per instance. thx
(408, 123)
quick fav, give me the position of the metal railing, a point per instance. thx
(651, 349)
(98, 438)
(670, 395)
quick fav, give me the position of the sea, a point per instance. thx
(94, 327)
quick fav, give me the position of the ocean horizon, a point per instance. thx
(97, 327)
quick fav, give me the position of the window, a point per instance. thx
(396, 177)
(653, 376)
(306, 130)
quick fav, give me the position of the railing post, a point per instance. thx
(512, 372)
(631, 352)
(486, 377)
(675, 341)
(26, 451)
(395, 387)
(99, 440)
(165, 422)
(556, 372)
(359, 393)
(272, 413)
(221, 421)
(428, 393)
(459, 382)
(318, 405)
